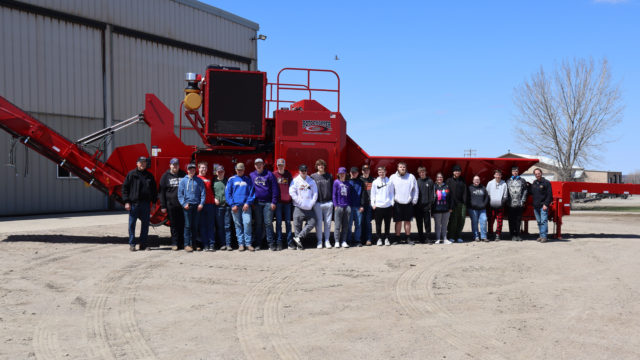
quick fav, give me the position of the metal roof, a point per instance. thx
(219, 12)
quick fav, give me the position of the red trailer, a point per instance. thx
(240, 117)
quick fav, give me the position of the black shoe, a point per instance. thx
(300, 247)
(148, 248)
(278, 247)
(410, 242)
(359, 245)
(272, 248)
(132, 248)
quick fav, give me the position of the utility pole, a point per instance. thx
(470, 153)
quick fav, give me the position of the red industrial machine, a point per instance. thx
(238, 116)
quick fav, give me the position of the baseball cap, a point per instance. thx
(280, 162)
(354, 169)
(142, 158)
(258, 160)
(219, 167)
(365, 167)
(191, 165)
(174, 161)
(456, 168)
(240, 166)
(302, 167)
(342, 170)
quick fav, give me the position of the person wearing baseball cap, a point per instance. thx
(192, 196)
(459, 195)
(223, 211)
(240, 195)
(169, 203)
(304, 194)
(517, 191)
(283, 207)
(138, 192)
(267, 194)
(357, 201)
(341, 211)
(367, 215)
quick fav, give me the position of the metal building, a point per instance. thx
(80, 66)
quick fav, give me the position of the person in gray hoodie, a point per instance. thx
(517, 189)
(477, 204)
(497, 190)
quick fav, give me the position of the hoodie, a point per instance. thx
(381, 193)
(239, 191)
(341, 192)
(324, 184)
(284, 181)
(169, 188)
(517, 192)
(442, 198)
(265, 187)
(425, 191)
(497, 193)
(191, 191)
(359, 196)
(303, 192)
(478, 197)
(405, 188)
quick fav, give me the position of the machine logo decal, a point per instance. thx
(316, 126)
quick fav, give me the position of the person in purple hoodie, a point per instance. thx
(267, 194)
(341, 209)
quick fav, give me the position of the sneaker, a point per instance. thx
(447, 242)
(438, 242)
(251, 248)
(300, 247)
(188, 249)
(292, 247)
(410, 242)
(485, 240)
(132, 248)
(477, 239)
(519, 238)
(319, 246)
(327, 244)
(543, 240)
(272, 248)
(497, 237)
(387, 242)
(174, 248)
(223, 247)
(514, 238)
(198, 249)
(460, 240)
(298, 241)
(359, 245)
(368, 243)
(241, 248)
(379, 243)
(345, 245)
(229, 248)
(278, 247)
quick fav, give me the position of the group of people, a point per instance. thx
(202, 209)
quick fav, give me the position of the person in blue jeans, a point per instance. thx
(239, 194)
(478, 200)
(191, 194)
(207, 221)
(138, 192)
(358, 199)
(223, 211)
(283, 207)
(267, 193)
(542, 198)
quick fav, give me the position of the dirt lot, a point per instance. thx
(70, 289)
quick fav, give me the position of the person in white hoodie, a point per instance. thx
(304, 194)
(405, 188)
(497, 190)
(381, 204)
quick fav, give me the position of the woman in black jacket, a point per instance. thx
(442, 207)
(477, 203)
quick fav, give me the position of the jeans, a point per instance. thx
(242, 219)
(323, 213)
(542, 219)
(207, 226)
(456, 221)
(283, 213)
(441, 220)
(300, 216)
(478, 217)
(223, 224)
(139, 211)
(190, 224)
(367, 230)
(355, 219)
(176, 223)
(341, 224)
(263, 215)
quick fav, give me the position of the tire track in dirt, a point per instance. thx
(411, 296)
(112, 329)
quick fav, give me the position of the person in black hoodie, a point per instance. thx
(169, 203)
(139, 190)
(517, 189)
(478, 201)
(422, 210)
(442, 207)
(542, 197)
(459, 195)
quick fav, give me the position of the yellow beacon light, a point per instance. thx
(192, 97)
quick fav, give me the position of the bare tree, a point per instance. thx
(565, 115)
(633, 178)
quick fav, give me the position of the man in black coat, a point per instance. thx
(542, 197)
(139, 190)
(422, 210)
(459, 190)
(169, 203)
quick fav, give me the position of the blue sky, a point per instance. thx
(425, 78)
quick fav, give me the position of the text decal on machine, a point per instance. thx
(316, 126)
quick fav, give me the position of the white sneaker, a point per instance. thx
(379, 243)
(438, 241)
(327, 244)
(297, 240)
(319, 246)
(446, 241)
(460, 240)
(345, 245)
(387, 242)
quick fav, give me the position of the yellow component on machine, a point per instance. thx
(192, 101)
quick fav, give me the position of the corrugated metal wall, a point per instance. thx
(54, 69)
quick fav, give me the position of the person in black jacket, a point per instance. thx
(422, 210)
(139, 190)
(542, 197)
(169, 203)
(458, 189)
(517, 190)
(442, 207)
(478, 201)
